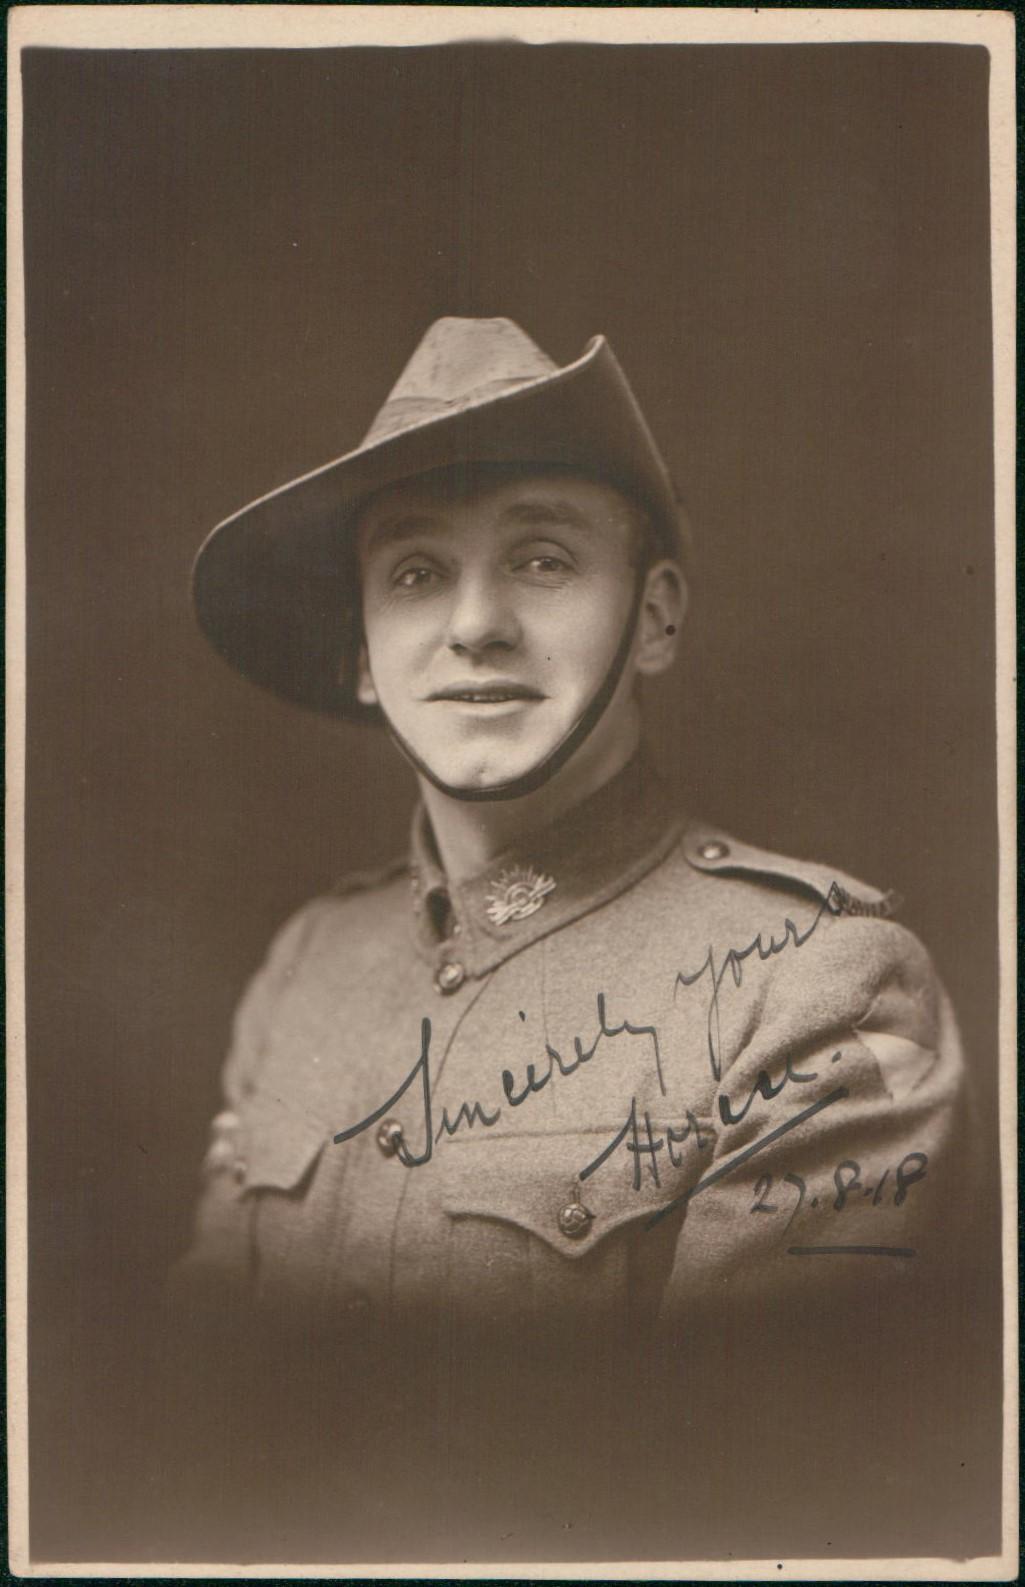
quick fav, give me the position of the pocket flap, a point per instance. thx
(532, 1182)
(279, 1146)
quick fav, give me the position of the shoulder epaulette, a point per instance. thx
(715, 852)
(363, 881)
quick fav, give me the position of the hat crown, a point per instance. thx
(460, 362)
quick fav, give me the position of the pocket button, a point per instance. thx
(575, 1221)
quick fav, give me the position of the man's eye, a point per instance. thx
(547, 564)
(413, 578)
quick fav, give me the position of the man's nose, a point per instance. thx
(483, 614)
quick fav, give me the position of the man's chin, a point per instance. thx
(482, 779)
(480, 774)
(480, 763)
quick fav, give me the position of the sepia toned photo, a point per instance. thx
(511, 634)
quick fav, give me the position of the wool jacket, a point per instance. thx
(604, 1206)
(635, 1069)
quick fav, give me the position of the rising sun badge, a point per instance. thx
(517, 893)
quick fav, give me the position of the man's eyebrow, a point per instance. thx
(404, 526)
(545, 510)
(530, 512)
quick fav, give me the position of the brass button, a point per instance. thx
(220, 1156)
(389, 1137)
(575, 1221)
(450, 977)
(240, 1169)
(714, 851)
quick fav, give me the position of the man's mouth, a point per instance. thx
(487, 693)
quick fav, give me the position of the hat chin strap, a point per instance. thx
(581, 729)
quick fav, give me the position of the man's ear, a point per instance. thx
(663, 608)
(366, 694)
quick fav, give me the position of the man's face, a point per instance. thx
(491, 616)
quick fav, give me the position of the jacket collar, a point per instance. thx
(548, 879)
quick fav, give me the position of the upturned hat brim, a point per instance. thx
(275, 585)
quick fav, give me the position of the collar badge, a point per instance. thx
(517, 893)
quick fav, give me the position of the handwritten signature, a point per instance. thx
(516, 1092)
(645, 1144)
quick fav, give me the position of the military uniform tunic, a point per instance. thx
(637, 1082)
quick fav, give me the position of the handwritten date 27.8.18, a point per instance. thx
(847, 1187)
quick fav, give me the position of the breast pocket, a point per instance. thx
(558, 1242)
(282, 1152)
(553, 1186)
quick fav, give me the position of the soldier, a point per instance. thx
(584, 1111)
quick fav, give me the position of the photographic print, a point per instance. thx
(510, 614)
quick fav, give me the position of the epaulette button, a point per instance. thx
(714, 851)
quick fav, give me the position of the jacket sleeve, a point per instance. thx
(217, 1263)
(825, 1321)
(843, 1166)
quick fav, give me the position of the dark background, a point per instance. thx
(230, 256)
